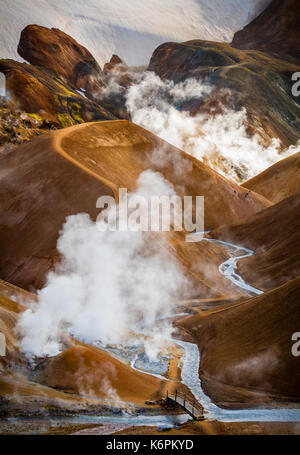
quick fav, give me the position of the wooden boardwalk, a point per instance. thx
(194, 409)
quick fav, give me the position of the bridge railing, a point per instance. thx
(181, 399)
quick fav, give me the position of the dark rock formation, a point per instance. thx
(276, 31)
(117, 73)
(36, 90)
(60, 53)
(113, 63)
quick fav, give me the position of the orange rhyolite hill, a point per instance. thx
(246, 348)
(86, 370)
(53, 177)
(274, 235)
(63, 380)
(278, 181)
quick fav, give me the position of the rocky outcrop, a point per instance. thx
(17, 127)
(114, 62)
(38, 91)
(118, 71)
(117, 74)
(60, 53)
(180, 61)
(61, 83)
(257, 82)
(276, 31)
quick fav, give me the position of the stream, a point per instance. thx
(191, 358)
(189, 376)
(228, 268)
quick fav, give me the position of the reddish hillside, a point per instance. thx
(274, 234)
(86, 370)
(81, 370)
(43, 189)
(246, 348)
(278, 181)
(66, 173)
(275, 31)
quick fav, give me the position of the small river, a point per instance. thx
(189, 376)
(191, 357)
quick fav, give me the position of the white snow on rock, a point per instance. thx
(130, 28)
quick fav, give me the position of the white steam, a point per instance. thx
(221, 140)
(109, 284)
(253, 370)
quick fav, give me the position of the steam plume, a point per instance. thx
(220, 139)
(108, 283)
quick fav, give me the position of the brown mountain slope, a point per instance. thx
(86, 370)
(9, 311)
(275, 31)
(38, 190)
(260, 83)
(66, 173)
(131, 152)
(15, 293)
(274, 234)
(246, 348)
(81, 370)
(278, 181)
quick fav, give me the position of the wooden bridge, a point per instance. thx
(194, 409)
